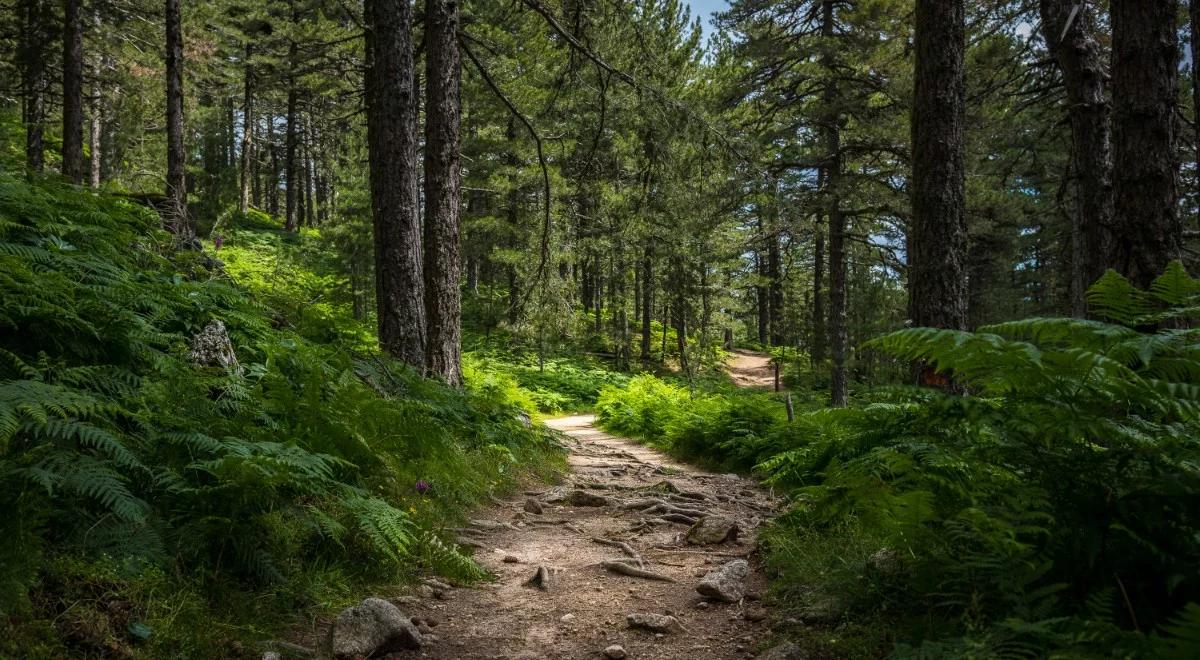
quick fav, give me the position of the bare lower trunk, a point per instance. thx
(33, 81)
(72, 79)
(443, 306)
(178, 221)
(96, 115)
(1145, 78)
(392, 146)
(291, 167)
(937, 235)
(647, 303)
(1079, 57)
(839, 388)
(247, 132)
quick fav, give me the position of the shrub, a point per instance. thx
(115, 447)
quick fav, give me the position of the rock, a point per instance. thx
(658, 623)
(371, 628)
(727, 583)
(556, 494)
(540, 579)
(425, 591)
(424, 628)
(886, 562)
(567, 618)
(211, 347)
(702, 605)
(785, 651)
(271, 655)
(524, 418)
(584, 498)
(511, 559)
(615, 652)
(533, 506)
(755, 614)
(711, 530)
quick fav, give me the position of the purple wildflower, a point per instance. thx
(422, 486)
(218, 241)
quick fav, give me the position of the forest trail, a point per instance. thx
(751, 369)
(583, 611)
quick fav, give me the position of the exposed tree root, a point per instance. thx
(618, 566)
(623, 547)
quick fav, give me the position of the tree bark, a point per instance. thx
(392, 147)
(177, 214)
(647, 303)
(443, 178)
(1194, 24)
(1145, 76)
(72, 80)
(775, 273)
(248, 120)
(937, 236)
(839, 388)
(819, 329)
(290, 165)
(33, 82)
(1078, 54)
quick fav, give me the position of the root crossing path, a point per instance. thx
(609, 543)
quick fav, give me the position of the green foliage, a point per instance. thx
(1054, 508)
(113, 444)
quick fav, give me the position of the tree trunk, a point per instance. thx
(762, 294)
(247, 131)
(1194, 21)
(819, 329)
(839, 388)
(392, 151)
(1144, 71)
(775, 273)
(273, 182)
(72, 79)
(95, 113)
(290, 164)
(1078, 55)
(647, 303)
(937, 236)
(33, 81)
(177, 213)
(443, 305)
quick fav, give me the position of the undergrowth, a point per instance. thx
(147, 495)
(1054, 511)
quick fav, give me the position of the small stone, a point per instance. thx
(274, 655)
(700, 572)
(615, 652)
(727, 583)
(702, 605)
(424, 628)
(755, 614)
(567, 618)
(658, 623)
(711, 530)
(534, 506)
(511, 559)
(425, 591)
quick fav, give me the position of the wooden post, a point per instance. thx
(787, 403)
(776, 363)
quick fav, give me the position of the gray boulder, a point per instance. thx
(372, 628)
(727, 583)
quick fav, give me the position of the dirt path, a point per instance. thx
(750, 369)
(584, 609)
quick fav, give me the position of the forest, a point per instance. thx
(599, 329)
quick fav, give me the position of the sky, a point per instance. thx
(705, 9)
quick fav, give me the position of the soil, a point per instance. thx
(750, 369)
(584, 609)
